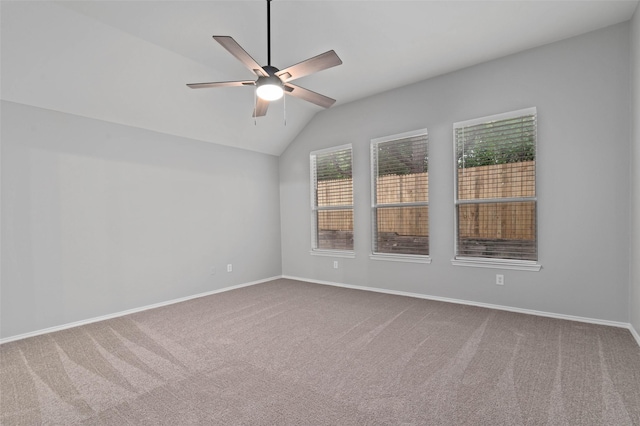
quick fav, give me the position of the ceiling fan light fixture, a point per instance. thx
(269, 88)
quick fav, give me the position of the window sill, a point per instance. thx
(519, 265)
(400, 258)
(334, 253)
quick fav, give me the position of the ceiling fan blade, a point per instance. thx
(261, 108)
(221, 84)
(317, 63)
(236, 50)
(308, 95)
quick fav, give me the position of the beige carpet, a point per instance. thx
(288, 352)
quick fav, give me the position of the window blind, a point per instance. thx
(400, 194)
(496, 187)
(332, 199)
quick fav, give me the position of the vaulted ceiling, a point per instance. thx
(128, 62)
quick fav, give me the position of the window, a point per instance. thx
(495, 191)
(400, 196)
(332, 199)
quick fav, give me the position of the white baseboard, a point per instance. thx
(628, 326)
(130, 311)
(479, 304)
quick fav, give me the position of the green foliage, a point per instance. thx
(334, 165)
(402, 157)
(500, 142)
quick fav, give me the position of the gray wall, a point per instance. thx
(580, 87)
(98, 218)
(635, 172)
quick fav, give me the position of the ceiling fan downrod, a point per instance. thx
(269, 32)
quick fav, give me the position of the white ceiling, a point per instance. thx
(128, 61)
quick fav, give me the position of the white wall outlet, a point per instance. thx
(499, 279)
(229, 267)
(335, 264)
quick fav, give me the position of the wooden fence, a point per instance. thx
(508, 221)
(409, 188)
(338, 192)
(497, 181)
(483, 221)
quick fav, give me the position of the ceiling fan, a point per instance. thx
(272, 83)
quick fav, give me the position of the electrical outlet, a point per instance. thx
(335, 264)
(499, 279)
(229, 267)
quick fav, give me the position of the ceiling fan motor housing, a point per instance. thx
(270, 88)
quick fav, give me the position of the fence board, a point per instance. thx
(338, 192)
(408, 188)
(510, 221)
(497, 181)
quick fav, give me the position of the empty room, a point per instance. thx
(325, 212)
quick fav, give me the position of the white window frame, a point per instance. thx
(413, 258)
(482, 262)
(315, 208)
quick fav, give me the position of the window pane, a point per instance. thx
(496, 159)
(498, 230)
(402, 166)
(402, 230)
(335, 229)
